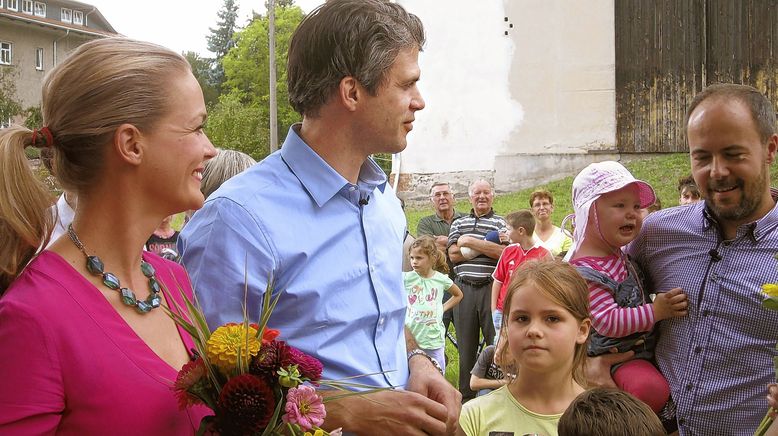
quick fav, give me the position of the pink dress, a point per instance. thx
(70, 365)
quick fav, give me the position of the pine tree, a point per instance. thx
(220, 40)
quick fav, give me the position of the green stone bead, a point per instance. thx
(143, 307)
(154, 301)
(154, 285)
(95, 265)
(147, 269)
(111, 281)
(128, 297)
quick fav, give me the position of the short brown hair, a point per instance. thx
(609, 412)
(541, 193)
(341, 38)
(762, 110)
(521, 218)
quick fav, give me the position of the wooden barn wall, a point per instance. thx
(668, 50)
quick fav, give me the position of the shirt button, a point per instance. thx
(697, 349)
(689, 387)
(381, 321)
(705, 312)
(681, 421)
(352, 189)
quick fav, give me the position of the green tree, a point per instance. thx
(9, 105)
(246, 69)
(201, 69)
(238, 126)
(220, 40)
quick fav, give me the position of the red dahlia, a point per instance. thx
(267, 362)
(245, 405)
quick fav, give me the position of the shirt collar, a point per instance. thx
(318, 178)
(486, 215)
(756, 229)
(441, 220)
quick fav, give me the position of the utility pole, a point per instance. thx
(271, 13)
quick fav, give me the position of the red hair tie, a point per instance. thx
(42, 138)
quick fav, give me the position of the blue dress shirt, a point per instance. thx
(336, 262)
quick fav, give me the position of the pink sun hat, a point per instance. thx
(598, 179)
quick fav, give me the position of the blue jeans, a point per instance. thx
(497, 320)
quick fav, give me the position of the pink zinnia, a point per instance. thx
(304, 407)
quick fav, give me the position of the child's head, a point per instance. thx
(688, 192)
(607, 200)
(546, 319)
(521, 226)
(426, 256)
(609, 412)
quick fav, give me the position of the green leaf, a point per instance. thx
(770, 303)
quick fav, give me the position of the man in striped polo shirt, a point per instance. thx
(474, 258)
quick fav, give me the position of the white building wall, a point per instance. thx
(506, 106)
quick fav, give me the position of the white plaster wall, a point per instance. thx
(547, 88)
(563, 74)
(464, 81)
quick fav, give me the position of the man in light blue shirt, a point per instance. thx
(319, 218)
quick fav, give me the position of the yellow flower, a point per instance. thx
(227, 341)
(318, 432)
(771, 289)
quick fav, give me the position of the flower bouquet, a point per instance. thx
(254, 383)
(770, 302)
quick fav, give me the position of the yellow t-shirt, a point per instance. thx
(498, 413)
(556, 243)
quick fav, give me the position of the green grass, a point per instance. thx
(661, 172)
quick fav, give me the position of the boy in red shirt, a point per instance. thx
(521, 225)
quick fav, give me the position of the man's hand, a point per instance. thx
(466, 241)
(442, 242)
(670, 304)
(427, 381)
(598, 369)
(391, 412)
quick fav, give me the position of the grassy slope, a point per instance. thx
(661, 172)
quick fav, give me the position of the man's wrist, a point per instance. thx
(420, 352)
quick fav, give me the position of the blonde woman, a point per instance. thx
(84, 346)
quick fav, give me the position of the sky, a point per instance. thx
(176, 24)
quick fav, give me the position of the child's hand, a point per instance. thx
(670, 304)
(772, 395)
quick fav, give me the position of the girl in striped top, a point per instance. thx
(609, 205)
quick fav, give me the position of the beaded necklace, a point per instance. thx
(95, 266)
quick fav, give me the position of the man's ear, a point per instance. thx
(772, 145)
(128, 144)
(349, 93)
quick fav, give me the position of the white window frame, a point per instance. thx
(78, 18)
(6, 53)
(13, 5)
(39, 59)
(66, 15)
(27, 7)
(40, 9)
(1, 3)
